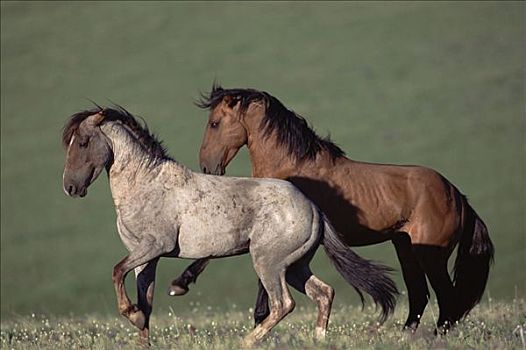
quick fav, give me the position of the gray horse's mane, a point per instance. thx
(139, 129)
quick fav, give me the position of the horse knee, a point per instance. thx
(319, 292)
(329, 297)
(325, 296)
(283, 308)
(402, 243)
(329, 292)
(116, 276)
(288, 306)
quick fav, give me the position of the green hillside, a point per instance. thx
(438, 84)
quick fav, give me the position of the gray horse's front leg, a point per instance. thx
(179, 286)
(147, 251)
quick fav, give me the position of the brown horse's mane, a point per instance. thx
(117, 113)
(292, 130)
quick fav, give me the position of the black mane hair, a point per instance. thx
(117, 113)
(292, 130)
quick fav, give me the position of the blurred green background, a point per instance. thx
(438, 84)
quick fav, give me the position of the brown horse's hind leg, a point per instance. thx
(179, 286)
(262, 310)
(415, 280)
(434, 262)
(145, 288)
(302, 279)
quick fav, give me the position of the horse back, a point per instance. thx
(369, 202)
(413, 199)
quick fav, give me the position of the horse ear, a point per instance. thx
(230, 101)
(96, 119)
(227, 100)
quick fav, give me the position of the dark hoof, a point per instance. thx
(410, 327)
(443, 328)
(176, 290)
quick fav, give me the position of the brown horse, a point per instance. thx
(416, 208)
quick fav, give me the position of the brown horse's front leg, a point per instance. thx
(179, 286)
(145, 288)
(262, 310)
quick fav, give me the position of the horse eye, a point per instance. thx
(84, 143)
(214, 125)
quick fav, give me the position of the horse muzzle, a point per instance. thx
(75, 191)
(219, 169)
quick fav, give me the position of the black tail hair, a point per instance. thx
(364, 275)
(474, 258)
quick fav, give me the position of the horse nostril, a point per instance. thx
(71, 189)
(204, 169)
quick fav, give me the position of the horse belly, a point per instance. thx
(203, 242)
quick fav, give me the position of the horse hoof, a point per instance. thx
(175, 290)
(410, 327)
(144, 338)
(248, 342)
(443, 329)
(137, 318)
(319, 334)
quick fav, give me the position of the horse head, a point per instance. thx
(224, 136)
(87, 152)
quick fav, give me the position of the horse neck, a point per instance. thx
(271, 158)
(132, 163)
(268, 157)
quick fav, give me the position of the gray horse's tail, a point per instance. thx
(364, 275)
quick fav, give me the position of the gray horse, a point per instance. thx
(164, 209)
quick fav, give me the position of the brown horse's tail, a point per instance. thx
(364, 275)
(474, 258)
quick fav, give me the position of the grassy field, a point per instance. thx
(492, 326)
(438, 84)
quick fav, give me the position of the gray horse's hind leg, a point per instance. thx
(280, 300)
(303, 280)
(323, 295)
